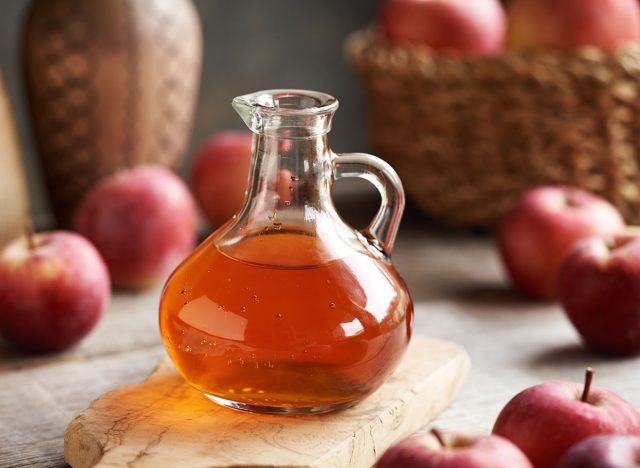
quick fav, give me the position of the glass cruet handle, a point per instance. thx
(382, 230)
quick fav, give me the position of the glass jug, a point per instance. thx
(286, 309)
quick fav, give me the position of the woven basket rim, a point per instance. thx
(367, 48)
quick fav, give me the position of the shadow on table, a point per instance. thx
(488, 296)
(493, 294)
(11, 359)
(572, 355)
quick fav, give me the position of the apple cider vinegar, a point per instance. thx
(270, 334)
(287, 309)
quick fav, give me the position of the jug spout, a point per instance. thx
(287, 113)
(244, 106)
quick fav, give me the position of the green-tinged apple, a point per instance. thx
(547, 419)
(469, 27)
(219, 175)
(143, 221)
(542, 226)
(599, 289)
(54, 287)
(439, 449)
(569, 24)
(604, 451)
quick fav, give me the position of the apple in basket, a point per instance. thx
(143, 221)
(542, 226)
(465, 27)
(568, 24)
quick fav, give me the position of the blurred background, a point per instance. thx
(247, 46)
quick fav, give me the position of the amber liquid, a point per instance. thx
(286, 329)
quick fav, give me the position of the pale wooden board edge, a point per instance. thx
(411, 410)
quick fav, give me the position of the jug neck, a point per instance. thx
(291, 170)
(289, 184)
(289, 194)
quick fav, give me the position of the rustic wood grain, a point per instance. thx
(36, 404)
(164, 422)
(40, 394)
(130, 323)
(460, 293)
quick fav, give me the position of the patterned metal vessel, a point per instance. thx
(111, 84)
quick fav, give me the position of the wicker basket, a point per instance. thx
(467, 135)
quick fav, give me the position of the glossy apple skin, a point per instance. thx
(219, 175)
(568, 24)
(547, 419)
(472, 451)
(540, 229)
(470, 27)
(599, 289)
(143, 221)
(52, 296)
(604, 451)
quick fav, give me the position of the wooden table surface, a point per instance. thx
(460, 294)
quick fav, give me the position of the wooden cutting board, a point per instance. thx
(164, 422)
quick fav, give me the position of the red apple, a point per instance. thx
(568, 24)
(54, 287)
(472, 27)
(219, 175)
(547, 419)
(604, 451)
(143, 222)
(599, 288)
(448, 450)
(540, 229)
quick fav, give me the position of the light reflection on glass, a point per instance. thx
(209, 317)
(352, 328)
(378, 295)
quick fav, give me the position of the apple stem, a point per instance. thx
(28, 231)
(438, 435)
(588, 378)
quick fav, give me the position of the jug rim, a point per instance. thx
(301, 102)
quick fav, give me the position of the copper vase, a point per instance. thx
(14, 200)
(111, 84)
